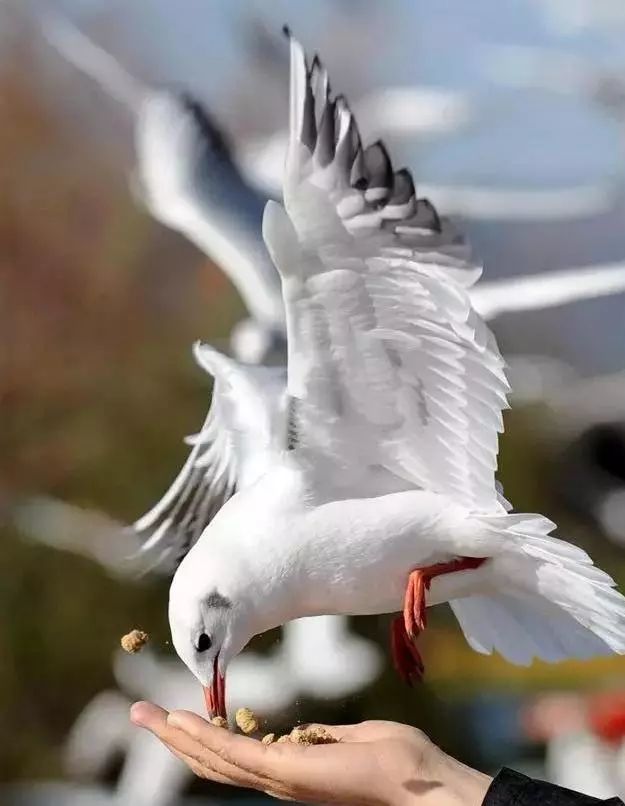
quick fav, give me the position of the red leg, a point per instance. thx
(406, 628)
(406, 657)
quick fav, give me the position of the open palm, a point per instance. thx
(371, 763)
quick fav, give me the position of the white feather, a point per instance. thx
(190, 183)
(547, 289)
(376, 332)
(245, 424)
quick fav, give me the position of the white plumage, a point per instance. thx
(372, 473)
(246, 419)
(189, 182)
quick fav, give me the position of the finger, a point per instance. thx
(147, 715)
(215, 760)
(241, 751)
(286, 769)
(195, 726)
(199, 770)
(155, 719)
(271, 768)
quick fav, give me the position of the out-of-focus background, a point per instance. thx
(512, 117)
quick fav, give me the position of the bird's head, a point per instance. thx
(208, 629)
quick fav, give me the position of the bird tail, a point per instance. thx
(548, 600)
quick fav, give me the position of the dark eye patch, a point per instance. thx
(216, 599)
(203, 642)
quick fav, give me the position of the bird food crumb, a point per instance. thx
(246, 720)
(134, 641)
(302, 734)
(311, 735)
(219, 722)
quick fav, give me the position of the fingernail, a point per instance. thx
(137, 714)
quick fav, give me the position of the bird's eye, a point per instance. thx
(203, 642)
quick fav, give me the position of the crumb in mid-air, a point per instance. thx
(134, 641)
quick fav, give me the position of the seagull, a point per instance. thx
(188, 180)
(365, 484)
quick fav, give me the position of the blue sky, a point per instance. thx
(527, 138)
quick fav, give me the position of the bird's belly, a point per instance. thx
(359, 575)
(375, 594)
(354, 556)
(362, 585)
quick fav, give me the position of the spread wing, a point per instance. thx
(388, 363)
(535, 292)
(190, 182)
(246, 421)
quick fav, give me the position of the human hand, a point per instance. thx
(377, 763)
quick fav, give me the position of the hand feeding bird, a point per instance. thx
(367, 485)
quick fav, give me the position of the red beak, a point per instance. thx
(215, 694)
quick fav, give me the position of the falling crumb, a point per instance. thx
(311, 735)
(269, 738)
(134, 641)
(285, 738)
(219, 722)
(246, 720)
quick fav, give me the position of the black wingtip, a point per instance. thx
(380, 144)
(286, 30)
(406, 178)
(437, 223)
(403, 187)
(210, 129)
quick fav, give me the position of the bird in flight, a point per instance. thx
(363, 482)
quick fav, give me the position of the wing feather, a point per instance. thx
(390, 364)
(189, 181)
(245, 423)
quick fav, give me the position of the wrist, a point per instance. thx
(463, 785)
(444, 781)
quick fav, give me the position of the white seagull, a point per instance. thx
(368, 485)
(189, 181)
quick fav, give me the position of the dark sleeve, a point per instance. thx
(511, 788)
